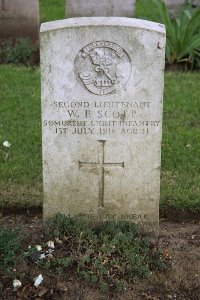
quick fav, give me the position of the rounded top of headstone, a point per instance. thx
(102, 21)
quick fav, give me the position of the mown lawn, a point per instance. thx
(180, 184)
(51, 10)
(20, 165)
(21, 171)
(147, 9)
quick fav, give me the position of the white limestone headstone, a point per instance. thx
(102, 90)
(92, 8)
(175, 5)
(19, 19)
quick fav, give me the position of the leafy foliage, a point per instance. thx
(183, 34)
(111, 254)
(10, 249)
(17, 53)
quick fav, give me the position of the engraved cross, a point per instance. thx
(100, 166)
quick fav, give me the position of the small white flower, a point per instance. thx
(16, 284)
(50, 251)
(29, 247)
(6, 144)
(38, 247)
(38, 280)
(42, 256)
(50, 244)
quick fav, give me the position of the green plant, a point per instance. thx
(61, 225)
(110, 254)
(183, 34)
(147, 10)
(10, 249)
(52, 10)
(19, 52)
(58, 264)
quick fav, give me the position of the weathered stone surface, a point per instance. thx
(102, 89)
(174, 5)
(91, 8)
(19, 18)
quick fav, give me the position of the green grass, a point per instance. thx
(20, 124)
(51, 10)
(20, 165)
(180, 186)
(110, 255)
(146, 9)
(10, 250)
(21, 171)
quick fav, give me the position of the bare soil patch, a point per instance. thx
(179, 241)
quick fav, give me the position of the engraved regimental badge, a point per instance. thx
(102, 67)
